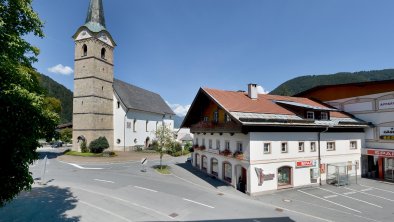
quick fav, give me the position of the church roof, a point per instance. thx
(134, 97)
(95, 20)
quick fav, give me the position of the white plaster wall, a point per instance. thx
(136, 135)
(237, 137)
(365, 106)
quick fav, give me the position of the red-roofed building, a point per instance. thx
(258, 142)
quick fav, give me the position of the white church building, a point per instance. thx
(125, 114)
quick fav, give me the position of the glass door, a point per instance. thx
(389, 169)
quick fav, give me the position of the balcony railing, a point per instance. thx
(203, 126)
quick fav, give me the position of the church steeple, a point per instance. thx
(95, 20)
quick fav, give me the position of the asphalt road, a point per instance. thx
(121, 192)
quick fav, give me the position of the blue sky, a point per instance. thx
(173, 47)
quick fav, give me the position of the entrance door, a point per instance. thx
(243, 181)
(284, 176)
(389, 169)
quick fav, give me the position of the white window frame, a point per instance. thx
(301, 147)
(324, 116)
(268, 151)
(286, 147)
(314, 146)
(330, 146)
(206, 118)
(218, 144)
(216, 116)
(355, 145)
(310, 112)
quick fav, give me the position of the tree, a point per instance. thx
(164, 137)
(66, 135)
(24, 116)
(98, 145)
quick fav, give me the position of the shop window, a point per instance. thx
(301, 147)
(313, 146)
(214, 167)
(284, 176)
(284, 148)
(353, 145)
(330, 146)
(310, 115)
(267, 148)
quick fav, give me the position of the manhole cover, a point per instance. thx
(173, 215)
(220, 194)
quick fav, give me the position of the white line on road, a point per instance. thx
(198, 203)
(348, 193)
(105, 181)
(125, 201)
(372, 195)
(377, 188)
(368, 189)
(330, 196)
(83, 168)
(104, 210)
(363, 201)
(330, 201)
(143, 188)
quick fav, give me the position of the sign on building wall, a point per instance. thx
(383, 153)
(386, 133)
(305, 163)
(386, 104)
(263, 177)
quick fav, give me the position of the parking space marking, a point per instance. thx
(372, 195)
(198, 203)
(143, 188)
(348, 193)
(104, 210)
(363, 201)
(330, 201)
(377, 188)
(105, 181)
(330, 196)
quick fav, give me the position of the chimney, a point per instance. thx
(252, 91)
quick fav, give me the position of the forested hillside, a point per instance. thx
(58, 91)
(302, 83)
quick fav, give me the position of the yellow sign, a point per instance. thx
(387, 137)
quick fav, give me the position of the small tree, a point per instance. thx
(66, 135)
(84, 148)
(98, 145)
(164, 137)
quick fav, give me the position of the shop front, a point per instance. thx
(378, 164)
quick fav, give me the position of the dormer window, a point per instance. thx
(310, 115)
(324, 116)
(206, 119)
(103, 53)
(85, 50)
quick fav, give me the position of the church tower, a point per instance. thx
(93, 79)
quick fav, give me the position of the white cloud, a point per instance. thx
(60, 69)
(180, 110)
(261, 90)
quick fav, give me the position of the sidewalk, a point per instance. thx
(121, 157)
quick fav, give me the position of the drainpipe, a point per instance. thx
(318, 153)
(124, 130)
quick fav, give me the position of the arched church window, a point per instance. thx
(85, 50)
(103, 53)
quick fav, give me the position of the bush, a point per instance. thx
(98, 145)
(154, 145)
(138, 148)
(84, 148)
(109, 153)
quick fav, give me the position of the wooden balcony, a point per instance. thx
(217, 127)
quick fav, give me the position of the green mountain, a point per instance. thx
(302, 83)
(58, 91)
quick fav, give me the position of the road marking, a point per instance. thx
(362, 191)
(198, 203)
(330, 196)
(104, 210)
(106, 181)
(377, 188)
(125, 201)
(348, 193)
(363, 201)
(330, 201)
(83, 168)
(143, 188)
(368, 189)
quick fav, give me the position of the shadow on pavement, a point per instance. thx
(276, 219)
(41, 204)
(207, 178)
(50, 154)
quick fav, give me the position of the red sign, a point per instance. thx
(306, 163)
(384, 153)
